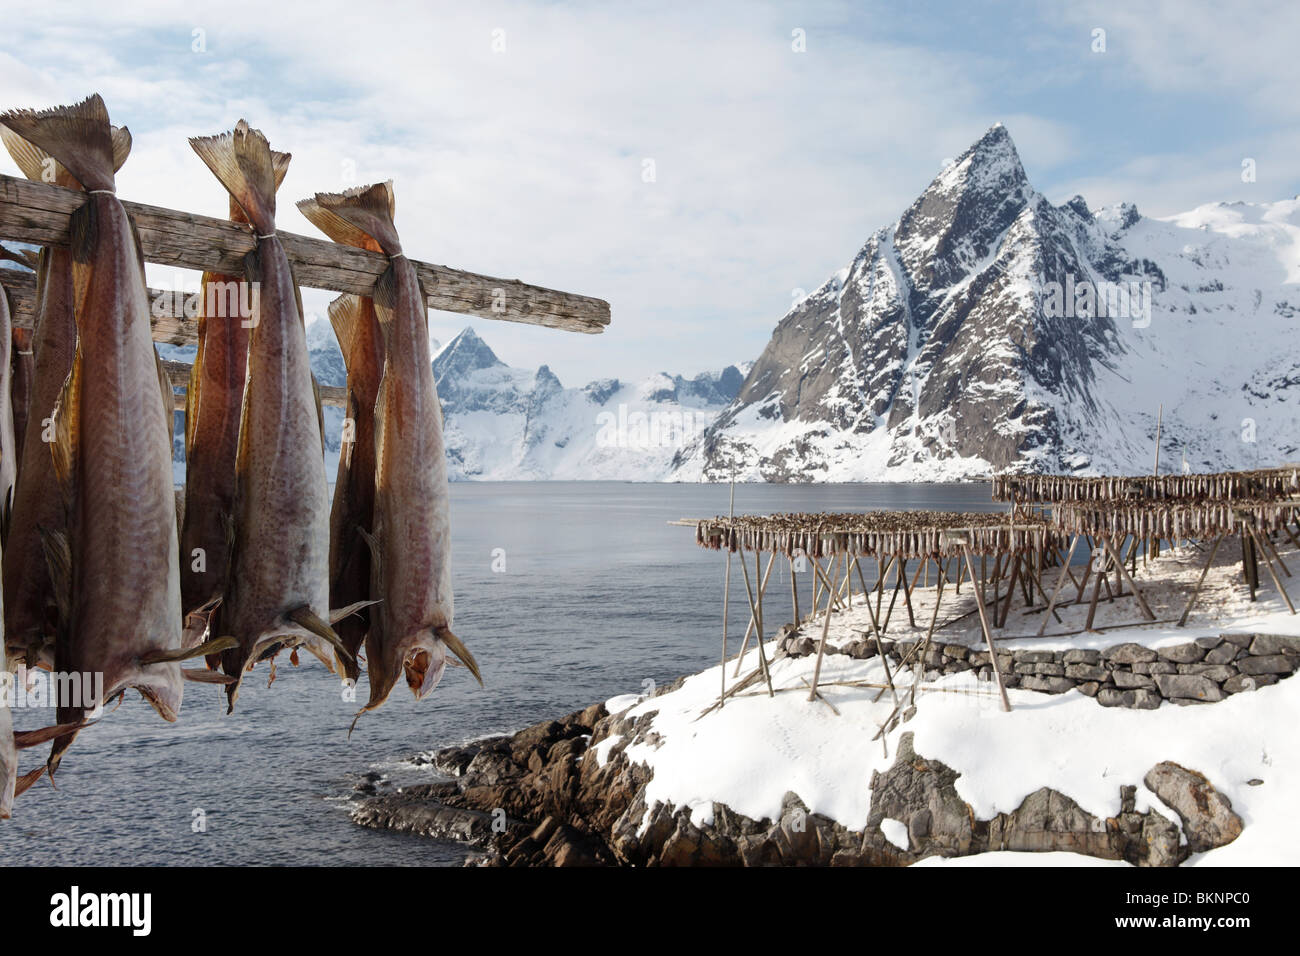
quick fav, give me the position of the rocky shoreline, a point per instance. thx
(540, 797)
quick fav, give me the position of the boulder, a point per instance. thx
(1272, 664)
(1127, 680)
(1207, 815)
(1129, 654)
(1245, 682)
(1182, 653)
(1266, 645)
(1189, 686)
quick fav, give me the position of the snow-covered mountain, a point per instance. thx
(988, 330)
(505, 424)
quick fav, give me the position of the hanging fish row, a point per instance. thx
(1172, 520)
(97, 577)
(906, 534)
(1259, 484)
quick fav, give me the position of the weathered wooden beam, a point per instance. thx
(179, 373)
(39, 213)
(169, 317)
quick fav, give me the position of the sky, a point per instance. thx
(695, 164)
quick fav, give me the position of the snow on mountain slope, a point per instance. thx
(989, 330)
(504, 423)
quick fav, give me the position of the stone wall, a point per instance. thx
(1202, 671)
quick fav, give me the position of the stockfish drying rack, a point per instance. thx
(1047, 518)
(39, 214)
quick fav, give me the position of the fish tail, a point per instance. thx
(79, 138)
(308, 619)
(249, 169)
(457, 647)
(361, 217)
(24, 783)
(214, 646)
(31, 738)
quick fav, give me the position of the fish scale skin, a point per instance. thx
(210, 461)
(281, 553)
(26, 577)
(411, 495)
(125, 570)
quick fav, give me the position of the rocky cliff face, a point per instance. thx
(987, 329)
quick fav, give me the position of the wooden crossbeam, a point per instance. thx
(39, 213)
(179, 373)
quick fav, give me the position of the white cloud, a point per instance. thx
(772, 166)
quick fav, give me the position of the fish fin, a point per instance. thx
(197, 622)
(214, 646)
(345, 316)
(308, 619)
(58, 558)
(79, 136)
(67, 426)
(338, 614)
(361, 217)
(33, 738)
(203, 676)
(168, 395)
(25, 782)
(293, 657)
(371, 542)
(320, 410)
(458, 648)
(121, 146)
(242, 160)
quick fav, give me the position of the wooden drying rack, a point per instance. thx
(39, 213)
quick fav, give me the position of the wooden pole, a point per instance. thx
(762, 587)
(794, 592)
(821, 648)
(1160, 417)
(1182, 621)
(1119, 564)
(726, 595)
(1060, 582)
(753, 609)
(988, 635)
(1268, 563)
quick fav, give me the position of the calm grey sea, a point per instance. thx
(598, 594)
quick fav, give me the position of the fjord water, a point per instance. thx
(592, 595)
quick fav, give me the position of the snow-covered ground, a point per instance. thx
(756, 748)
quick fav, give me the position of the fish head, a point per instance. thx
(424, 660)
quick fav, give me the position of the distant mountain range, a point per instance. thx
(508, 424)
(987, 330)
